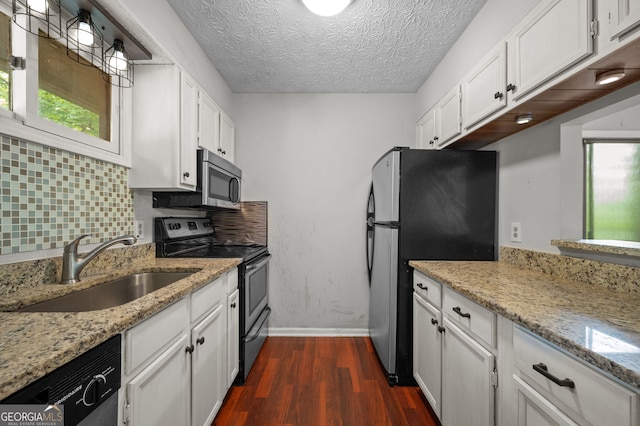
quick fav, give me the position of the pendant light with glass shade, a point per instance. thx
(40, 17)
(118, 67)
(326, 7)
(84, 40)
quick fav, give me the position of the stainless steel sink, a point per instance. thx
(110, 294)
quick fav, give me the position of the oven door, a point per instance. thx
(256, 290)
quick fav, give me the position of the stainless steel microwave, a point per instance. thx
(218, 186)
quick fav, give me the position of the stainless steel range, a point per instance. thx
(188, 237)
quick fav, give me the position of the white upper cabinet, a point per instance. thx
(208, 123)
(427, 131)
(553, 37)
(448, 117)
(624, 16)
(165, 125)
(484, 88)
(227, 138)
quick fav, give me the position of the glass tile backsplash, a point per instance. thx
(50, 196)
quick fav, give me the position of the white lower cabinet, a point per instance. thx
(468, 374)
(208, 381)
(233, 336)
(553, 386)
(175, 362)
(152, 396)
(427, 350)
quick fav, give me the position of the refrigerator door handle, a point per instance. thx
(370, 231)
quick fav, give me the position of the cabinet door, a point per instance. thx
(483, 90)
(208, 124)
(208, 381)
(233, 337)
(427, 351)
(159, 395)
(227, 137)
(448, 117)
(624, 16)
(535, 410)
(468, 393)
(188, 131)
(556, 36)
(427, 131)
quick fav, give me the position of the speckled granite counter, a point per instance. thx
(598, 325)
(34, 344)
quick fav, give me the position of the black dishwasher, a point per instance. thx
(87, 387)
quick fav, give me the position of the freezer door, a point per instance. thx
(386, 187)
(383, 295)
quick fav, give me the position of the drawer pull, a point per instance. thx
(441, 329)
(189, 349)
(434, 321)
(462, 314)
(422, 286)
(200, 341)
(542, 369)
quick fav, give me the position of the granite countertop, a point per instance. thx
(598, 325)
(34, 344)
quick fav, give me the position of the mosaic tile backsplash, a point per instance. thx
(50, 196)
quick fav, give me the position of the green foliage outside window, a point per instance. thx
(612, 191)
(68, 114)
(4, 90)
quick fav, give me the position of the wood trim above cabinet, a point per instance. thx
(572, 92)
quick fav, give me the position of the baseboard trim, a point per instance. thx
(319, 332)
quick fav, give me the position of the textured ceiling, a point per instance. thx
(375, 46)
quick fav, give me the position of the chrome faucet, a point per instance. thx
(73, 263)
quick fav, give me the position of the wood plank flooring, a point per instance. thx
(309, 381)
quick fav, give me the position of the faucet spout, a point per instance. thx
(73, 263)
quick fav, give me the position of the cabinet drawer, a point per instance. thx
(146, 339)
(470, 316)
(206, 298)
(428, 289)
(593, 397)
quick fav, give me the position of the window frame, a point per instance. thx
(24, 121)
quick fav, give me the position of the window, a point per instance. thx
(59, 101)
(612, 190)
(5, 69)
(71, 93)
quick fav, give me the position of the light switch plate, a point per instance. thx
(139, 229)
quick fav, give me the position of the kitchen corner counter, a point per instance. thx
(598, 325)
(34, 344)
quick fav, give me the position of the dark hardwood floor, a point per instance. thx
(308, 381)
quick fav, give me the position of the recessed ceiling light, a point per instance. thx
(609, 77)
(524, 118)
(326, 7)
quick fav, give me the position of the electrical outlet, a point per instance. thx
(516, 232)
(139, 225)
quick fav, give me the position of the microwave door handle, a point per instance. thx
(234, 190)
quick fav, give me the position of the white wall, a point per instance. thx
(310, 156)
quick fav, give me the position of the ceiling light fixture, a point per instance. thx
(610, 76)
(326, 7)
(118, 67)
(84, 40)
(39, 17)
(524, 119)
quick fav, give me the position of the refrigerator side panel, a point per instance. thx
(383, 296)
(386, 187)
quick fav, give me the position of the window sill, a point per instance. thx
(612, 251)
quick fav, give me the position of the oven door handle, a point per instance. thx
(253, 267)
(254, 336)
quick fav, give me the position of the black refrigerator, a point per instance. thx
(423, 205)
